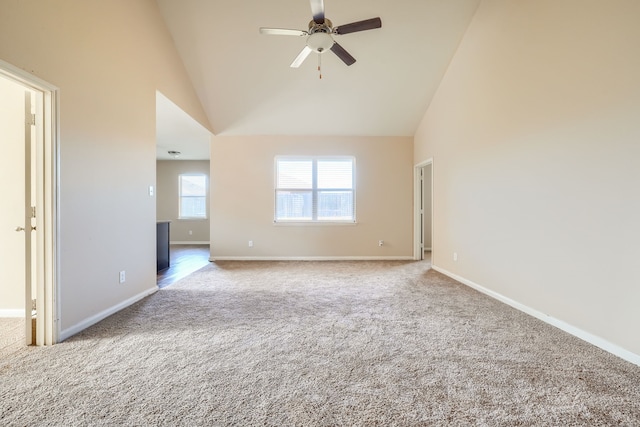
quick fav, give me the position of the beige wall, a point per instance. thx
(242, 193)
(535, 136)
(108, 58)
(12, 192)
(167, 172)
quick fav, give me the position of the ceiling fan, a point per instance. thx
(320, 34)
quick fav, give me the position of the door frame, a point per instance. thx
(47, 292)
(418, 235)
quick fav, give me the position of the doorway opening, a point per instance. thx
(182, 151)
(423, 211)
(28, 219)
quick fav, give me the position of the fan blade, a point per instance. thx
(317, 10)
(301, 57)
(342, 54)
(282, 32)
(367, 24)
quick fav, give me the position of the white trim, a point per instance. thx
(576, 332)
(190, 242)
(291, 223)
(417, 198)
(48, 292)
(69, 332)
(53, 183)
(12, 313)
(311, 258)
(314, 189)
(18, 74)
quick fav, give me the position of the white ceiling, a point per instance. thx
(177, 131)
(246, 86)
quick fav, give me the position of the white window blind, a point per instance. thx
(315, 189)
(192, 196)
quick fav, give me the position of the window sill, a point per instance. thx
(192, 219)
(313, 223)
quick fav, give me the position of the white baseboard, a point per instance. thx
(12, 313)
(69, 332)
(189, 242)
(312, 258)
(577, 332)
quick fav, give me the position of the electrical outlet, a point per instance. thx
(380, 242)
(455, 256)
(190, 232)
(250, 243)
(122, 277)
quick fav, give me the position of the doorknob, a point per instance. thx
(20, 229)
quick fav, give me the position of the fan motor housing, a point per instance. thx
(325, 27)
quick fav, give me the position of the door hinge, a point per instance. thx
(33, 211)
(34, 306)
(31, 120)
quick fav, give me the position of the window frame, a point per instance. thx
(314, 191)
(206, 197)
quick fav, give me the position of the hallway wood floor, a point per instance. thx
(185, 259)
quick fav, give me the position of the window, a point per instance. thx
(318, 189)
(192, 189)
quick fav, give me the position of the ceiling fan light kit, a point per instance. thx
(320, 35)
(319, 42)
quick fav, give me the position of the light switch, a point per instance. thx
(151, 190)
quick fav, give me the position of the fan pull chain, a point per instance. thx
(320, 66)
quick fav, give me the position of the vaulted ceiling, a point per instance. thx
(246, 86)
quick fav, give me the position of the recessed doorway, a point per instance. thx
(183, 204)
(423, 213)
(28, 227)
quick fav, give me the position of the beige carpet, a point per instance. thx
(12, 337)
(311, 343)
